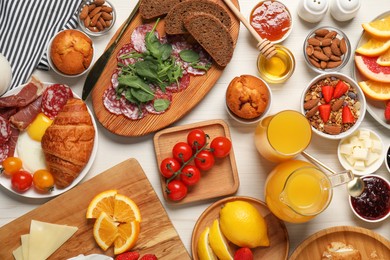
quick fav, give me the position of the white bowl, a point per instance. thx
(387, 158)
(363, 195)
(372, 167)
(61, 73)
(359, 94)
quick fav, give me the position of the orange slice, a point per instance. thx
(374, 47)
(105, 231)
(126, 210)
(375, 90)
(384, 59)
(127, 237)
(103, 202)
(378, 28)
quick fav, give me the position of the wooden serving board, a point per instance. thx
(366, 241)
(182, 102)
(157, 236)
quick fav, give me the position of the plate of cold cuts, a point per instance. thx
(153, 78)
(48, 127)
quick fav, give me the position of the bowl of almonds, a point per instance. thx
(326, 49)
(96, 17)
(334, 104)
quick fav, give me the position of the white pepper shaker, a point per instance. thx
(312, 11)
(344, 10)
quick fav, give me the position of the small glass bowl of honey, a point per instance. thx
(279, 67)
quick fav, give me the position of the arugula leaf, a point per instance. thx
(161, 104)
(189, 56)
(147, 69)
(141, 95)
(166, 51)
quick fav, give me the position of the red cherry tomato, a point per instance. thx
(169, 166)
(11, 165)
(21, 181)
(221, 146)
(190, 175)
(196, 139)
(204, 160)
(182, 152)
(176, 190)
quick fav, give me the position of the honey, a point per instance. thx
(278, 68)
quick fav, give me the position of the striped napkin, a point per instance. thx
(26, 27)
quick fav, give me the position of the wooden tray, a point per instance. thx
(221, 180)
(182, 103)
(277, 232)
(366, 241)
(157, 236)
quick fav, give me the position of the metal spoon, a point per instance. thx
(355, 187)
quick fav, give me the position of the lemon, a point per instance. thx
(218, 242)
(204, 250)
(242, 224)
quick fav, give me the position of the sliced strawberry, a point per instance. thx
(325, 112)
(387, 111)
(340, 89)
(347, 115)
(327, 93)
(243, 253)
(128, 256)
(149, 257)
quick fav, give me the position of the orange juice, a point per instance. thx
(296, 191)
(282, 136)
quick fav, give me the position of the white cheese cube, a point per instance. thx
(376, 146)
(371, 158)
(355, 141)
(364, 134)
(359, 153)
(346, 148)
(350, 160)
(367, 143)
(359, 165)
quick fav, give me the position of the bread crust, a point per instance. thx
(150, 9)
(340, 251)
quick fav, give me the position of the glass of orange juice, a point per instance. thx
(282, 136)
(297, 191)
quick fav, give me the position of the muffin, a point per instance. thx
(71, 52)
(247, 96)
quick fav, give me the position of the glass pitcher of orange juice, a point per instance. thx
(296, 191)
(282, 136)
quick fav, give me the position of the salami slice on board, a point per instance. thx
(184, 82)
(110, 101)
(158, 95)
(132, 111)
(137, 38)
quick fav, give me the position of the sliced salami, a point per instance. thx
(111, 102)
(54, 99)
(4, 152)
(137, 38)
(114, 78)
(184, 82)
(5, 130)
(131, 111)
(126, 49)
(158, 95)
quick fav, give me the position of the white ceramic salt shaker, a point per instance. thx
(344, 10)
(312, 11)
(6, 74)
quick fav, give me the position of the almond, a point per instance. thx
(102, 22)
(323, 64)
(331, 35)
(99, 2)
(314, 62)
(99, 25)
(91, 7)
(337, 104)
(326, 42)
(334, 58)
(335, 49)
(321, 32)
(313, 41)
(106, 16)
(333, 64)
(343, 46)
(95, 11)
(311, 103)
(332, 129)
(87, 21)
(95, 19)
(84, 12)
(312, 112)
(309, 50)
(106, 9)
(320, 55)
(327, 51)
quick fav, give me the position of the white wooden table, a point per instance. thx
(252, 168)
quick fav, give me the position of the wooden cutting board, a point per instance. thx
(157, 236)
(182, 102)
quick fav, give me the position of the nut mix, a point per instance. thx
(325, 50)
(332, 105)
(96, 16)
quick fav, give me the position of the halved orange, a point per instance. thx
(103, 202)
(105, 231)
(375, 90)
(378, 28)
(125, 209)
(127, 237)
(374, 47)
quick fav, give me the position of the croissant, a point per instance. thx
(67, 144)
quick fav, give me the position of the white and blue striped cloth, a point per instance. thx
(26, 27)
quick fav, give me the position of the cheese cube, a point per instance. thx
(376, 146)
(364, 134)
(367, 143)
(371, 158)
(346, 148)
(355, 141)
(359, 165)
(359, 153)
(350, 160)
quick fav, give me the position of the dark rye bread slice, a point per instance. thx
(212, 35)
(150, 9)
(175, 17)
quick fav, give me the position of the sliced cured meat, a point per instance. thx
(184, 82)
(27, 94)
(54, 99)
(114, 78)
(12, 141)
(6, 112)
(137, 38)
(126, 49)
(159, 95)
(26, 115)
(4, 152)
(111, 102)
(131, 111)
(5, 130)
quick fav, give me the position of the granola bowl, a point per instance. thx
(334, 104)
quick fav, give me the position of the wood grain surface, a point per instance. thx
(157, 236)
(371, 245)
(182, 102)
(221, 180)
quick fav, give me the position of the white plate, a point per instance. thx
(374, 107)
(32, 193)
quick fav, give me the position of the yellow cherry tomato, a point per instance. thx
(11, 165)
(43, 181)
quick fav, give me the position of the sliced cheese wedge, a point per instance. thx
(25, 242)
(17, 253)
(46, 238)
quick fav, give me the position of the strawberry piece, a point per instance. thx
(327, 93)
(325, 112)
(340, 89)
(387, 111)
(347, 115)
(128, 256)
(149, 257)
(243, 253)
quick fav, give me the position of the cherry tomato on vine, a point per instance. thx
(221, 146)
(43, 181)
(176, 190)
(196, 138)
(204, 160)
(190, 175)
(11, 165)
(182, 152)
(21, 181)
(169, 166)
